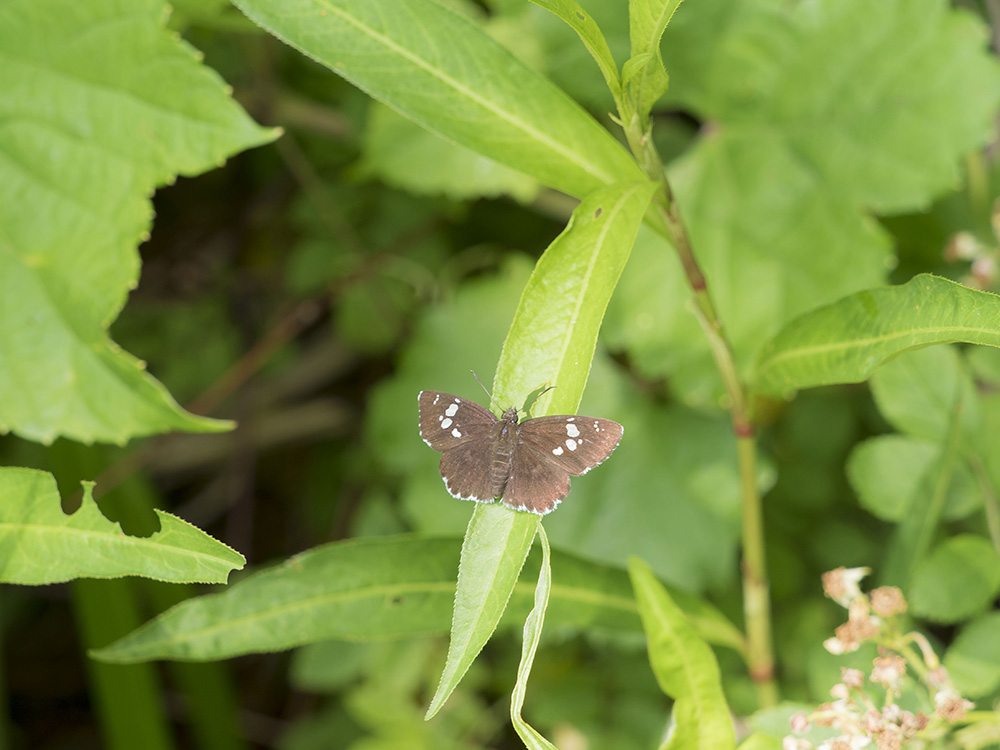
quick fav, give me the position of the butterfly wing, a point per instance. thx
(466, 435)
(575, 444)
(467, 475)
(536, 484)
(448, 421)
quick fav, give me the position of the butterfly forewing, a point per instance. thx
(574, 443)
(447, 421)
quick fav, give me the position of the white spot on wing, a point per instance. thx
(557, 451)
(446, 424)
(456, 433)
(572, 430)
(436, 398)
(452, 410)
(571, 444)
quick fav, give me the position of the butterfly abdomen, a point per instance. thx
(503, 451)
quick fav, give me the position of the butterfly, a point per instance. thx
(527, 464)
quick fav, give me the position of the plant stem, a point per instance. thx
(666, 219)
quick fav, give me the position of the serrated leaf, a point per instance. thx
(685, 668)
(40, 544)
(845, 342)
(958, 579)
(376, 588)
(795, 150)
(441, 71)
(357, 590)
(493, 552)
(973, 658)
(99, 104)
(551, 339)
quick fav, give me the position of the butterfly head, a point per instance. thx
(509, 419)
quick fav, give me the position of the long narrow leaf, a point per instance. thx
(573, 14)
(684, 667)
(844, 342)
(383, 587)
(493, 552)
(443, 72)
(648, 20)
(41, 544)
(551, 340)
(532, 635)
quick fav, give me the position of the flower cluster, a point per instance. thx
(864, 708)
(982, 257)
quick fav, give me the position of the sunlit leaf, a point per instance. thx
(99, 106)
(440, 70)
(552, 338)
(41, 544)
(684, 667)
(845, 342)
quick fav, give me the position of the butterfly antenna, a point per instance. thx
(484, 388)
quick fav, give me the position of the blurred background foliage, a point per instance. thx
(309, 289)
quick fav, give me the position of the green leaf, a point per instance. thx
(382, 587)
(493, 552)
(100, 105)
(684, 666)
(973, 659)
(406, 156)
(590, 34)
(922, 391)
(41, 544)
(845, 342)
(356, 590)
(795, 151)
(760, 741)
(443, 72)
(889, 471)
(551, 340)
(532, 636)
(648, 20)
(554, 332)
(958, 579)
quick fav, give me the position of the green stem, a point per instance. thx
(666, 219)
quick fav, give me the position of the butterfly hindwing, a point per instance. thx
(466, 476)
(535, 484)
(574, 443)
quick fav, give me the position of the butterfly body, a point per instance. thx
(528, 464)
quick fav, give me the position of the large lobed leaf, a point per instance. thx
(40, 544)
(443, 72)
(814, 113)
(99, 104)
